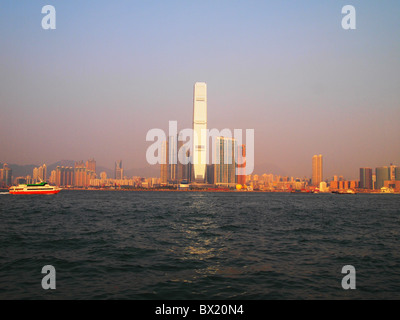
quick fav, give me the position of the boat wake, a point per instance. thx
(4, 193)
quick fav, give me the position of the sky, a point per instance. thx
(113, 70)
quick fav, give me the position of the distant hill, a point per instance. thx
(20, 171)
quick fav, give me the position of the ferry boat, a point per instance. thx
(38, 188)
(348, 191)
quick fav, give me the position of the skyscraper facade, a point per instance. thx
(80, 174)
(225, 168)
(241, 166)
(164, 163)
(317, 172)
(199, 130)
(183, 167)
(6, 175)
(173, 171)
(173, 159)
(366, 178)
(382, 175)
(64, 176)
(91, 165)
(118, 171)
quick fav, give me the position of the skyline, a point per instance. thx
(98, 83)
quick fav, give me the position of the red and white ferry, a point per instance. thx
(39, 188)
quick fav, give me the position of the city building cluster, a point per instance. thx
(83, 175)
(228, 168)
(227, 171)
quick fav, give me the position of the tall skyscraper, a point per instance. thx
(44, 177)
(91, 165)
(382, 175)
(199, 128)
(7, 175)
(80, 174)
(397, 173)
(173, 159)
(64, 176)
(173, 171)
(225, 168)
(183, 168)
(241, 166)
(35, 174)
(164, 164)
(119, 171)
(317, 176)
(366, 178)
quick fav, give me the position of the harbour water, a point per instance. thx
(199, 245)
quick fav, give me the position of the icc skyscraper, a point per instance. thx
(199, 131)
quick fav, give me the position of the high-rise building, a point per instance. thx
(397, 173)
(317, 176)
(199, 130)
(172, 160)
(40, 173)
(173, 170)
(53, 176)
(44, 176)
(183, 167)
(119, 171)
(225, 155)
(79, 174)
(382, 175)
(91, 165)
(366, 178)
(64, 176)
(164, 163)
(6, 175)
(35, 174)
(241, 166)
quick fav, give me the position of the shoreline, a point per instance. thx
(205, 190)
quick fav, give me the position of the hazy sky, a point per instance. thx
(112, 70)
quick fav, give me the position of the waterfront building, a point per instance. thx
(53, 175)
(334, 185)
(35, 174)
(225, 168)
(397, 174)
(91, 165)
(354, 184)
(184, 169)
(6, 175)
(164, 163)
(382, 175)
(366, 178)
(64, 176)
(172, 160)
(241, 165)
(323, 187)
(79, 174)
(199, 129)
(118, 171)
(317, 171)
